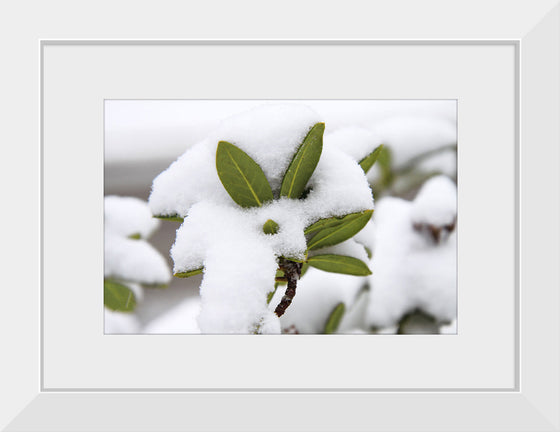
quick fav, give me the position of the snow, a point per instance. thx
(239, 259)
(163, 129)
(317, 294)
(444, 163)
(409, 137)
(355, 141)
(410, 270)
(366, 235)
(239, 267)
(436, 202)
(126, 216)
(181, 319)
(120, 322)
(133, 260)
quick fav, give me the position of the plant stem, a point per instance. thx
(292, 272)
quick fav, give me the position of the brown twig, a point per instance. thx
(292, 272)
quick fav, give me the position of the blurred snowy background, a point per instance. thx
(413, 285)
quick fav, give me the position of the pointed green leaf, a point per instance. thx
(189, 273)
(135, 236)
(303, 163)
(334, 318)
(367, 162)
(270, 227)
(242, 177)
(339, 264)
(118, 297)
(337, 232)
(173, 218)
(369, 252)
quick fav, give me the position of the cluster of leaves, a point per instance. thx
(247, 185)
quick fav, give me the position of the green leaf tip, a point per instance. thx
(367, 162)
(135, 236)
(118, 297)
(270, 227)
(303, 164)
(270, 295)
(172, 218)
(339, 264)
(189, 273)
(334, 319)
(335, 230)
(241, 176)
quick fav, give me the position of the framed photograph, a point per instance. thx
(491, 83)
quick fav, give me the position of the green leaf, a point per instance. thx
(270, 295)
(270, 227)
(135, 236)
(339, 264)
(336, 230)
(330, 222)
(189, 273)
(385, 163)
(118, 297)
(303, 164)
(242, 177)
(334, 318)
(369, 252)
(173, 218)
(367, 162)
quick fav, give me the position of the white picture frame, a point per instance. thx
(533, 401)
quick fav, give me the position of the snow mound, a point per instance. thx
(409, 269)
(131, 259)
(181, 319)
(436, 202)
(128, 216)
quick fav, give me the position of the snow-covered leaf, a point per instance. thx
(339, 264)
(241, 176)
(270, 227)
(303, 164)
(367, 162)
(118, 297)
(189, 273)
(337, 230)
(334, 318)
